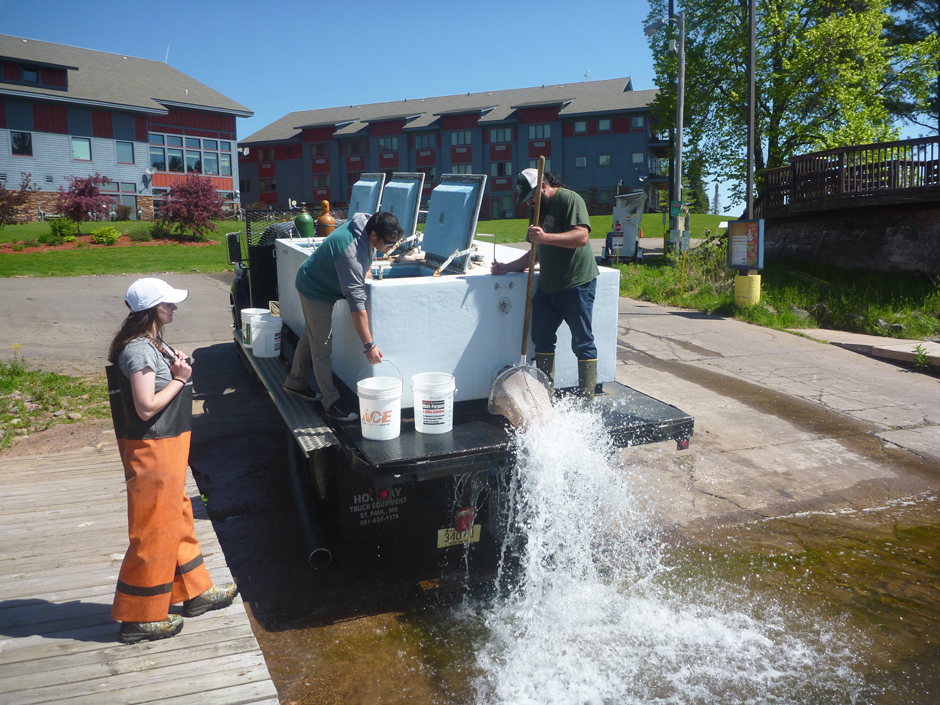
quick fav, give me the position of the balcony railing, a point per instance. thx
(874, 174)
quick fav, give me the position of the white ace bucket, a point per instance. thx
(380, 407)
(434, 402)
(247, 314)
(266, 335)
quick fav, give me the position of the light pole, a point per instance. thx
(650, 30)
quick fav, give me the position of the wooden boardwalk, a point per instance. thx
(63, 533)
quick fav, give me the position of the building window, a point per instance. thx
(638, 157)
(321, 149)
(540, 132)
(603, 195)
(81, 149)
(580, 127)
(176, 159)
(174, 141)
(388, 144)
(603, 160)
(192, 143)
(501, 134)
(461, 169)
(583, 195)
(424, 142)
(460, 137)
(603, 125)
(225, 163)
(430, 174)
(501, 169)
(268, 185)
(29, 75)
(155, 138)
(243, 186)
(21, 144)
(193, 162)
(158, 158)
(354, 147)
(125, 152)
(321, 180)
(210, 163)
(637, 122)
(534, 164)
(352, 178)
(580, 161)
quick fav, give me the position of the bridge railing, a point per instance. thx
(875, 174)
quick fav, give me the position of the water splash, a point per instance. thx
(594, 614)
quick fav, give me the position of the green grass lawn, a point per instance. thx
(508, 231)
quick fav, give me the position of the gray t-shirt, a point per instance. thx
(141, 354)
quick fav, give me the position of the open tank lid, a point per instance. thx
(366, 194)
(401, 197)
(452, 220)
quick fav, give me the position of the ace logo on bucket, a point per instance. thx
(377, 418)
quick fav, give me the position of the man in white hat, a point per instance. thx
(567, 275)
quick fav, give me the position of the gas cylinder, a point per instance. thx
(325, 223)
(304, 223)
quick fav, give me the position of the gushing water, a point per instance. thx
(593, 613)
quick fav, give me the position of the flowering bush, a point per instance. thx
(191, 204)
(84, 198)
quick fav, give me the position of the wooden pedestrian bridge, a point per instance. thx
(64, 533)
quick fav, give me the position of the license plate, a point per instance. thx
(452, 537)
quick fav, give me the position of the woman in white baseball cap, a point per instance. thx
(151, 404)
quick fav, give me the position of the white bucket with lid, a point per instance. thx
(266, 335)
(434, 402)
(380, 407)
(247, 314)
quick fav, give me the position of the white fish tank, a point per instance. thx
(465, 322)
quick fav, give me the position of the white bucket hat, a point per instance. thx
(147, 293)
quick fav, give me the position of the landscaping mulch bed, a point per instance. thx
(84, 242)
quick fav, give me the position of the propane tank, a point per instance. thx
(325, 223)
(304, 223)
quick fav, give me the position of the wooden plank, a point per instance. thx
(64, 532)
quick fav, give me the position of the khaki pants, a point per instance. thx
(315, 348)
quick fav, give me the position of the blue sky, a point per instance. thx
(283, 55)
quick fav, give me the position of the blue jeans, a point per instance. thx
(574, 306)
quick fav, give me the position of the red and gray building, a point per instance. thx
(66, 111)
(595, 135)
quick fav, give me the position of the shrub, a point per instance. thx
(84, 197)
(122, 212)
(105, 236)
(31, 243)
(140, 236)
(51, 239)
(161, 231)
(12, 201)
(191, 204)
(63, 228)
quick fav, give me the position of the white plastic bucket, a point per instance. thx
(434, 402)
(247, 314)
(266, 335)
(380, 407)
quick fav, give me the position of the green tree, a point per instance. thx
(912, 33)
(693, 189)
(12, 202)
(821, 72)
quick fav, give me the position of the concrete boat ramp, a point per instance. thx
(64, 533)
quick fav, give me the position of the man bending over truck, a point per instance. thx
(336, 270)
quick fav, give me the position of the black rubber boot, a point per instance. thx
(545, 362)
(587, 379)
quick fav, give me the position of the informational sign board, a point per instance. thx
(685, 241)
(675, 208)
(746, 244)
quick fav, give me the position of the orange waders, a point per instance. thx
(163, 564)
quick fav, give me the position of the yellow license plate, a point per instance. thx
(452, 537)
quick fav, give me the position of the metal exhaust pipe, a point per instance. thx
(319, 555)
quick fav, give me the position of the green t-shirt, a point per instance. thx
(562, 268)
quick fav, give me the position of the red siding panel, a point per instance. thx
(320, 165)
(549, 114)
(567, 129)
(50, 118)
(620, 125)
(388, 160)
(3, 113)
(11, 72)
(55, 77)
(501, 183)
(101, 124)
(500, 152)
(459, 122)
(319, 134)
(592, 127)
(384, 129)
(266, 169)
(140, 128)
(268, 198)
(461, 155)
(356, 162)
(426, 157)
(539, 148)
(196, 121)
